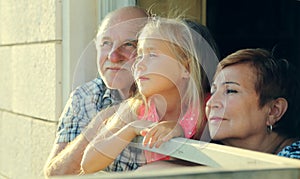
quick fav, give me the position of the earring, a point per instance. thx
(270, 128)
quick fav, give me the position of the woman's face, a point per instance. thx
(233, 110)
(156, 71)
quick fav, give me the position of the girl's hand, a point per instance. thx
(139, 125)
(161, 132)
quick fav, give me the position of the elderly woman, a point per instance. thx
(254, 104)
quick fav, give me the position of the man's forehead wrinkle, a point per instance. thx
(125, 26)
(127, 34)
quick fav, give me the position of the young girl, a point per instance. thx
(171, 85)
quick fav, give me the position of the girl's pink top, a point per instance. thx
(188, 124)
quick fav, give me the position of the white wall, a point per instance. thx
(40, 45)
(30, 89)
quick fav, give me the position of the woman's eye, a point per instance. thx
(212, 91)
(229, 91)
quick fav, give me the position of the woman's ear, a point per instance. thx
(277, 109)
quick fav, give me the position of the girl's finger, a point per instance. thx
(144, 132)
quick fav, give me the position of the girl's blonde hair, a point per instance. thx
(190, 50)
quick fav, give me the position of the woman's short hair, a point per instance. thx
(275, 78)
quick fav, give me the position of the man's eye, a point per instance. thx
(130, 44)
(105, 43)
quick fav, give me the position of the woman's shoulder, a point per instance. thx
(291, 151)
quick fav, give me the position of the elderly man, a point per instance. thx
(116, 43)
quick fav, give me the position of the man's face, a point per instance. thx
(116, 52)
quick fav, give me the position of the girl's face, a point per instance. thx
(233, 110)
(156, 70)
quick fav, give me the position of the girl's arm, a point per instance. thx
(68, 160)
(103, 150)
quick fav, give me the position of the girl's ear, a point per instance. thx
(277, 109)
(186, 68)
(185, 74)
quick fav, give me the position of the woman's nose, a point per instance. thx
(214, 101)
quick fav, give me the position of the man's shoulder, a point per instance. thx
(94, 87)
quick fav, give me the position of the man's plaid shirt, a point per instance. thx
(83, 105)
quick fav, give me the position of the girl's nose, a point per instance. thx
(139, 64)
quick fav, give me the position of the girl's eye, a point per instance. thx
(152, 55)
(229, 91)
(139, 57)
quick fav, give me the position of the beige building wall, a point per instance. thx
(41, 42)
(30, 84)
